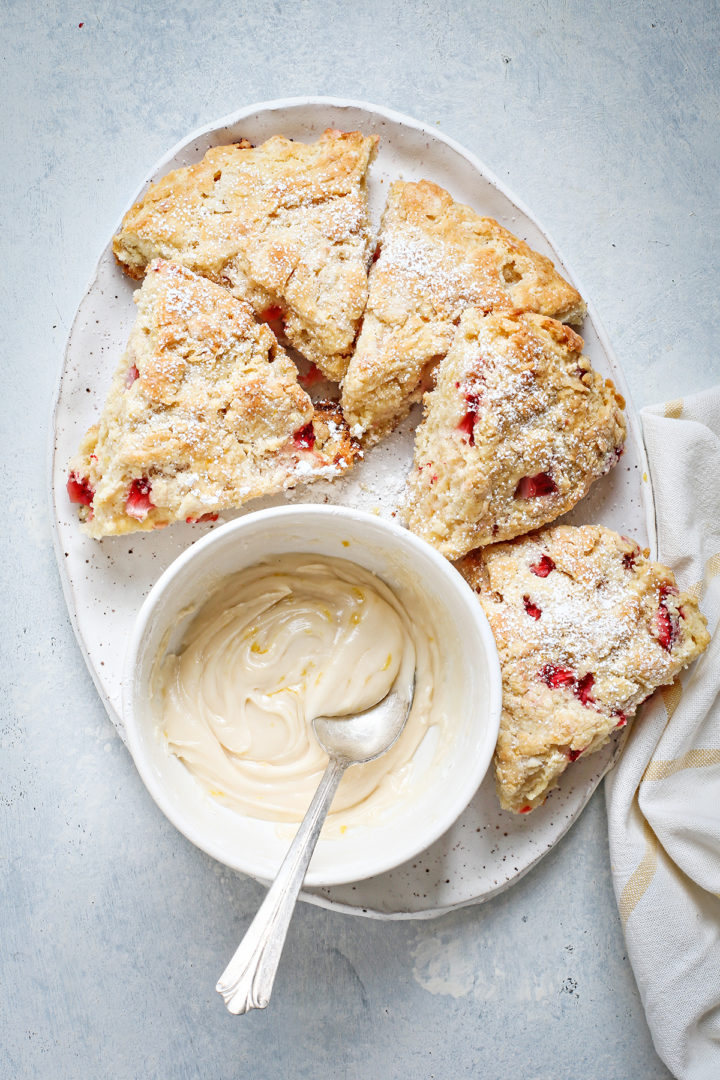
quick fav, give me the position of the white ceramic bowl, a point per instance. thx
(408, 565)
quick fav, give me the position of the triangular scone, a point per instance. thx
(204, 413)
(586, 629)
(284, 225)
(435, 258)
(514, 433)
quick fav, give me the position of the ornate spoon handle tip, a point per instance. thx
(247, 981)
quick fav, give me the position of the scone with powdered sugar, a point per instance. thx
(435, 258)
(204, 413)
(283, 225)
(515, 432)
(586, 628)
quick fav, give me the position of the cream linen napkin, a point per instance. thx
(663, 798)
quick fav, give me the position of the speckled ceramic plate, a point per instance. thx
(104, 582)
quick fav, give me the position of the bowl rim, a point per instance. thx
(398, 535)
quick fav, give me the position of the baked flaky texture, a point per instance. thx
(283, 225)
(435, 258)
(586, 628)
(516, 430)
(203, 414)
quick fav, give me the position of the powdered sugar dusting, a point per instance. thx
(581, 622)
(306, 467)
(428, 269)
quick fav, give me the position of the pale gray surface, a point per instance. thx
(604, 121)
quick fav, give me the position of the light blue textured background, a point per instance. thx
(603, 118)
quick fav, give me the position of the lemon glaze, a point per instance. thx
(274, 646)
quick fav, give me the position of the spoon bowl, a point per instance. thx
(369, 734)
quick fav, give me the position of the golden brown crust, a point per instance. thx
(204, 413)
(436, 258)
(516, 430)
(332, 436)
(283, 225)
(586, 628)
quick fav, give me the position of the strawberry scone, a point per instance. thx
(283, 225)
(204, 413)
(586, 628)
(516, 430)
(435, 258)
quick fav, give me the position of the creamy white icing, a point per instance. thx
(276, 645)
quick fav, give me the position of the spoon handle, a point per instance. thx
(247, 981)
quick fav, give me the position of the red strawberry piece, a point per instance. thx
(132, 375)
(79, 490)
(467, 424)
(532, 609)
(665, 624)
(630, 557)
(138, 503)
(203, 517)
(583, 690)
(531, 486)
(664, 627)
(376, 253)
(573, 755)
(271, 314)
(312, 376)
(622, 719)
(525, 809)
(555, 676)
(304, 439)
(543, 568)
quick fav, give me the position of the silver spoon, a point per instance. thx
(247, 981)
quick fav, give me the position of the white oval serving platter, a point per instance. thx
(487, 849)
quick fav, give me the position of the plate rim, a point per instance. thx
(632, 420)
